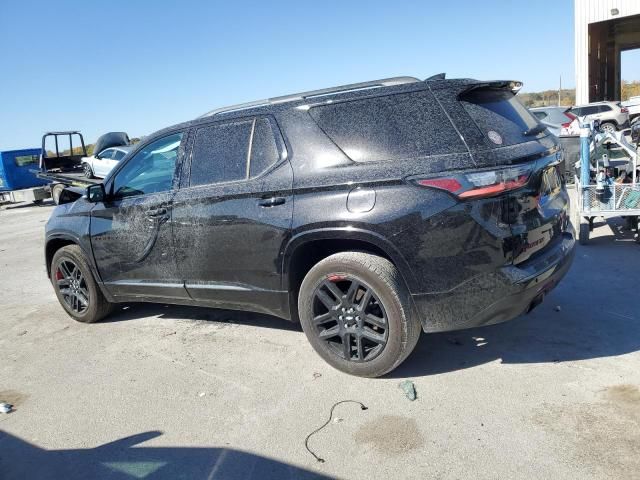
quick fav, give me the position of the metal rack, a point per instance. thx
(604, 199)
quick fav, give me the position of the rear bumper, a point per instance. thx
(497, 297)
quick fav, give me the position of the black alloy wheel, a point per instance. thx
(72, 286)
(349, 317)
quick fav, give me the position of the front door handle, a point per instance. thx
(272, 202)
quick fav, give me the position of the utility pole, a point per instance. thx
(560, 92)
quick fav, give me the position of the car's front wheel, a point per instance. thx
(88, 172)
(75, 287)
(356, 312)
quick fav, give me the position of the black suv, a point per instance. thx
(367, 212)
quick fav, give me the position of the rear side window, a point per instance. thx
(220, 153)
(604, 108)
(233, 151)
(118, 155)
(264, 151)
(500, 112)
(394, 127)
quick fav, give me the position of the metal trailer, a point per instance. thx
(63, 169)
(604, 198)
(18, 182)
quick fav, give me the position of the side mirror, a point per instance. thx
(96, 193)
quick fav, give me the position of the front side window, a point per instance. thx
(151, 170)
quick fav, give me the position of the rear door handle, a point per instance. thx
(272, 202)
(157, 212)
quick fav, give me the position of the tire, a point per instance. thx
(608, 127)
(388, 300)
(56, 190)
(88, 172)
(97, 307)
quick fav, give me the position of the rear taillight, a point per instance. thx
(482, 184)
(571, 118)
(624, 110)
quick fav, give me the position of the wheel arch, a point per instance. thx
(306, 249)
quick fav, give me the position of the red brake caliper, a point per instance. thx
(59, 275)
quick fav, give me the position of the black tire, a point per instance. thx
(390, 295)
(88, 172)
(583, 233)
(97, 306)
(56, 190)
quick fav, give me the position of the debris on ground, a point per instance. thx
(337, 420)
(306, 440)
(201, 394)
(316, 375)
(24, 332)
(409, 389)
(5, 407)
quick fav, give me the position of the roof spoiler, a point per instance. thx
(512, 85)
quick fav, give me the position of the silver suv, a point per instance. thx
(612, 115)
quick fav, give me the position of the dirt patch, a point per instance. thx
(390, 435)
(604, 435)
(13, 397)
(625, 394)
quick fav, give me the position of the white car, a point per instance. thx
(559, 120)
(633, 105)
(612, 115)
(101, 164)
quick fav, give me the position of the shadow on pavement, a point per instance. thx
(122, 459)
(14, 206)
(134, 311)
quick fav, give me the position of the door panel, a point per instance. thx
(131, 230)
(229, 239)
(133, 246)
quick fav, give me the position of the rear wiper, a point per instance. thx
(535, 130)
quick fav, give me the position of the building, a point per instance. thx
(603, 29)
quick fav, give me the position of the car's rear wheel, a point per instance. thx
(88, 172)
(356, 312)
(75, 287)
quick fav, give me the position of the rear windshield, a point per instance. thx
(500, 115)
(393, 127)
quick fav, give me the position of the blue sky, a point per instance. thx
(141, 65)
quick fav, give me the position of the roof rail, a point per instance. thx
(385, 82)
